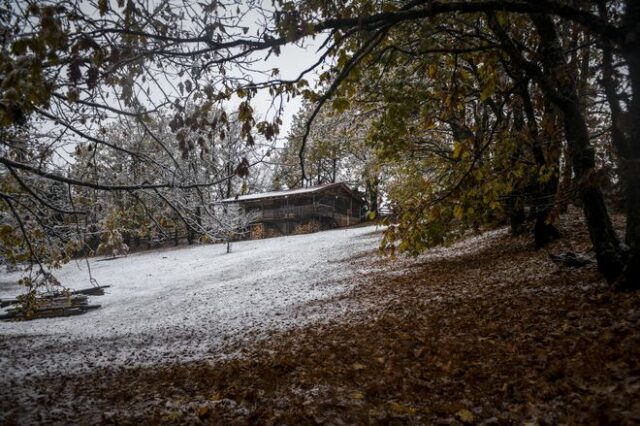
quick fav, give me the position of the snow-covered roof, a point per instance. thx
(276, 194)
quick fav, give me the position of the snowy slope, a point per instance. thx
(185, 304)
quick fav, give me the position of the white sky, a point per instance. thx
(291, 62)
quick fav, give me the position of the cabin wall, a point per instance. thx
(325, 210)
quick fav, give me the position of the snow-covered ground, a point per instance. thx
(186, 304)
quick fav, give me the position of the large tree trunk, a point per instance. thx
(625, 133)
(515, 202)
(630, 166)
(548, 144)
(544, 153)
(603, 236)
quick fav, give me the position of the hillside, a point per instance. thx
(486, 331)
(185, 304)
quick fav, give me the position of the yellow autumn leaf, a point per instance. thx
(465, 416)
(203, 411)
(457, 149)
(433, 70)
(429, 124)
(340, 105)
(488, 90)
(401, 409)
(458, 212)
(173, 415)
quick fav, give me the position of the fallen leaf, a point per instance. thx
(357, 395)
(465, 416)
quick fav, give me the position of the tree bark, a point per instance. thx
(229, 171)
(515, 201)
(334, 169)
(630, 167)
(559, 85)
(372, 193)
(603, 236)
(544, 195)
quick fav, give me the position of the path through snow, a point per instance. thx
(186, 304)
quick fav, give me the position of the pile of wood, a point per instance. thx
(53, 305)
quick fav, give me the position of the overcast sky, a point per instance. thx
(291, 62)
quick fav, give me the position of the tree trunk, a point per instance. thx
(544, 194)
(229, 170)
(630, 167)
(566, 180)
(515, 202)
(603, 236)
(334, 169)
(372, 193)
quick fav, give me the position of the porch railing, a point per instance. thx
(305, 212)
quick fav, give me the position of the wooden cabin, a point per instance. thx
(302, 210)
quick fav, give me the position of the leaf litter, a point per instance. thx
(488, 331)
